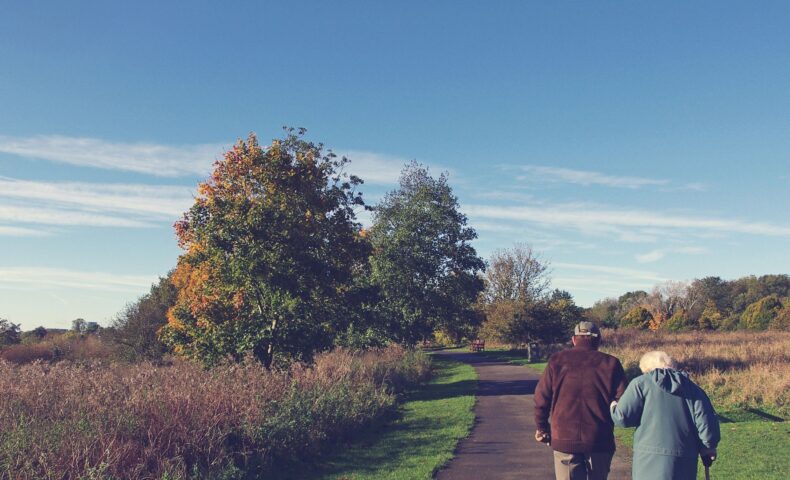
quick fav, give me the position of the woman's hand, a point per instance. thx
(708, 455)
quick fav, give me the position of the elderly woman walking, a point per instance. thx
(674, 419)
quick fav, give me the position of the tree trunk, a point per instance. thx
(270, 349)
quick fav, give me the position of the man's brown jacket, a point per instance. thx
(573, 396)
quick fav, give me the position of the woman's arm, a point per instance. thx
(705, 419)
(628, 411)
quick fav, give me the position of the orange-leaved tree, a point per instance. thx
(272, 246)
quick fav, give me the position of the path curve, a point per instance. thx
(502, 444)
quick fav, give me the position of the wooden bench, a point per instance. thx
(477, 346)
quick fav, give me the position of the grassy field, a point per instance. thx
(749, 450)
(417, 442)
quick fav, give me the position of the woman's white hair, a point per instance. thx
(653, 360)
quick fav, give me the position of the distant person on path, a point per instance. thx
(572, 406)
(674, 419)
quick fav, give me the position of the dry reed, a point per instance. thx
(142, 421)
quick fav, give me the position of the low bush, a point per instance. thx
(71, 421)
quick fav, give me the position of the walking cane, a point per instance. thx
(707, 461)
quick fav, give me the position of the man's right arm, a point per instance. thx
(619, 381)
(543, 396)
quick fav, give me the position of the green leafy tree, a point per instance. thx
(711, 318)
(782, 319)
(748, 290)
(40, 332)
(78, 326)
(423, 261)
(10, 334)
(34, 336)
(136, 327)
(759, 314)
(627, 301)
(568, 314)
(272, 247)
(637, 317)
(499, 319)
(714, 290)
(545, 321)
(604, 313)
(679, 321)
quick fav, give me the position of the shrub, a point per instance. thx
(9, 333)
(711, 318)
(637, 317)
(782, 319)
(678, 322)
(71, 421)
(759, 314)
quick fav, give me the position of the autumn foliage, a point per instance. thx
(271, 247)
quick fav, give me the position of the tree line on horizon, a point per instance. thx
(709, 303)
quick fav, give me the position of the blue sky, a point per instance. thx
(630, 142)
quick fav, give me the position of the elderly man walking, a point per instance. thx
(572, 406)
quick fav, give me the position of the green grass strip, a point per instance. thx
(421, 440)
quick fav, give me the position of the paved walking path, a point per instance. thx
(502, 444)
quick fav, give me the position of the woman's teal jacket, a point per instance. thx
(674, 420)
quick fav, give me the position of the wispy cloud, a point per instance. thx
(507, 196)
(658, 254)
(541, 240)
(596, 218)
(12, 277)
(148, 158)
(169, 160)
(24, 202)
(9, 231)
(151, 201)
(607, 269)
(585, 177)
(61, 217)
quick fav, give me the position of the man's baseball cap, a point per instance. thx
(587, 329)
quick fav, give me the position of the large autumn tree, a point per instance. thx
(271, 247)
(423, 261)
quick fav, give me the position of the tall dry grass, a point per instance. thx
(142, 421)
(61, 347)
(737, 369)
